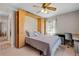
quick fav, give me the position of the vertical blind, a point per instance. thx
(51, 26)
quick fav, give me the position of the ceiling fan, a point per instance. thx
(46, 7)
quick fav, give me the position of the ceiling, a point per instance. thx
(61, 8)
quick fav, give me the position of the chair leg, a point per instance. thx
(68, 46)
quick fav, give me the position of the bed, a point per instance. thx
(45, 43)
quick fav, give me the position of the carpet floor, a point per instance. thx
(29, 51)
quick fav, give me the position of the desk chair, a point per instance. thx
(68, 39)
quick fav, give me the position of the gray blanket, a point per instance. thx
(44, 43)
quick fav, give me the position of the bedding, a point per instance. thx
(45, 43)
(36, 33)
(32, 34)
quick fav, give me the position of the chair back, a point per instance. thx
(68, 36)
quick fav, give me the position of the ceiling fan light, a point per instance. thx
(44, 11)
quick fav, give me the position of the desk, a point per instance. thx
(75, 37)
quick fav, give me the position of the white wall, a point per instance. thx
(12, 28)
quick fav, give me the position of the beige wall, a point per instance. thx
(68, 22)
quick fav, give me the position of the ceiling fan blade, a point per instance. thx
(51, 8)
(37, 6)
(45, 4)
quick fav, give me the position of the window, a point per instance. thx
(51, 27)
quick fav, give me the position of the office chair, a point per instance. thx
(68, 39)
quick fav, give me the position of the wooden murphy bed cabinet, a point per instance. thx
(20, 15)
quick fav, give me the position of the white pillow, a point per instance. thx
(31, 34)
(27, 33)
(36, 33)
